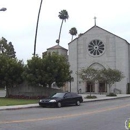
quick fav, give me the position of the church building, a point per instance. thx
(99, 48)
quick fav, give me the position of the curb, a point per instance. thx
(18, 108)
(37, 105)
(113, 98)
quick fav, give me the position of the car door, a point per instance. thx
(68, 99)
(74, 97)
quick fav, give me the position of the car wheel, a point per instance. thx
(78, 103)
(59, 104)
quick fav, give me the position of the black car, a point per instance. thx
(62, 99)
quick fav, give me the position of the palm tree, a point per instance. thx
(63, 15)
(73, 31)
(37, 27)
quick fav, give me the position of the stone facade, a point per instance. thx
(100, 49)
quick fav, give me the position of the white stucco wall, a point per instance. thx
(60, 51)
(73, 64)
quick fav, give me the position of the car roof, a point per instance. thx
(68, 92)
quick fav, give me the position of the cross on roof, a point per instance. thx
(95, 20)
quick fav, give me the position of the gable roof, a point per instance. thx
(101, 29)
(57, 47)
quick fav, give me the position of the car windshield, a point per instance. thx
(61, 95)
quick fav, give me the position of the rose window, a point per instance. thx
(96, 47)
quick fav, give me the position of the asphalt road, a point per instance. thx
(103, 115)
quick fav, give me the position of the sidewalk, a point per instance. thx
(103, 97)
(99, 98)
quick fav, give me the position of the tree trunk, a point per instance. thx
(37, 28)
(106, 85)
(109, 88)
(7, 92)
(70, 86)
(60, 31)
(49, 85)
(90, 89)
(72, 38)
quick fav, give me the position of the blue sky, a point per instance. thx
(18, 23)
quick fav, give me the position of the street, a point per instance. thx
(102, 115)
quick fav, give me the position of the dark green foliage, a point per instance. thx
(52, 68)
(10, 72)
(90, 97)
(7, 49)
(111, 94)
(57, 69)
(73, 32)
(34, 71)
(128, 88)
(63, 15)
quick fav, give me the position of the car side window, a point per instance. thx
(74, 95)
(68, 95)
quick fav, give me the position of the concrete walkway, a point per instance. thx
(99, 98)
(103, 97)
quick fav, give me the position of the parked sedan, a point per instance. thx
(62, 99)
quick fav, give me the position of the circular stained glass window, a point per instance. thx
(96, 48)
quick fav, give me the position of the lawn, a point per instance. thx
(10, 102)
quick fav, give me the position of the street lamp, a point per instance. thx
(35, 40)
(3, 9)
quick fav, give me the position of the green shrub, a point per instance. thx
(90, 97)
(111, 94)
(128, 88)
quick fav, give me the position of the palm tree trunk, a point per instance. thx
(7, 92)
(70, 86)
(72, 38)
(49, 85)
(60, 31)
(90, 89)
(109, 88)
(37, 28)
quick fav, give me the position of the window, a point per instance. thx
(96, 48)
(67, 95)
(74, 94)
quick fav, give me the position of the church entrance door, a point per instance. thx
(90, 87)
(102, 87)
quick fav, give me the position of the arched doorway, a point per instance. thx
(97, 87)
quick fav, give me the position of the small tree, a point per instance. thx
(34, 72)
(110, 76)
(7, 49)
(89, 75)
(57, 69)
(10, 72)
(47, 70)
